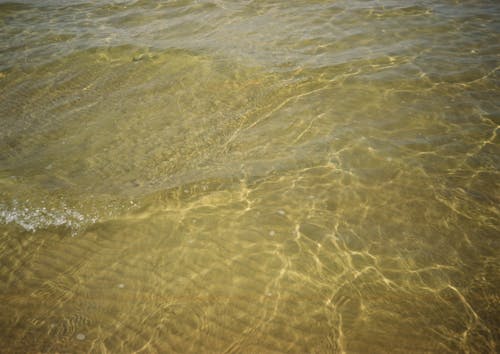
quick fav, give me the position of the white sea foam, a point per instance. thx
(33, 218)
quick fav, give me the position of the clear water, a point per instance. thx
(249, 176)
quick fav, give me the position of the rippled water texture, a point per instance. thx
(249, 176)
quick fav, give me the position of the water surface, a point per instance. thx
(249, 176)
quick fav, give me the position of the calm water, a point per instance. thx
(250, 176)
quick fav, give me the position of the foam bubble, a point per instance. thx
(34, 218)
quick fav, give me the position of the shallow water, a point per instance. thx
(249, 176)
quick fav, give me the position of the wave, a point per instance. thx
(32, 218)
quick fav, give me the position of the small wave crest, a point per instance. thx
(33, 218)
